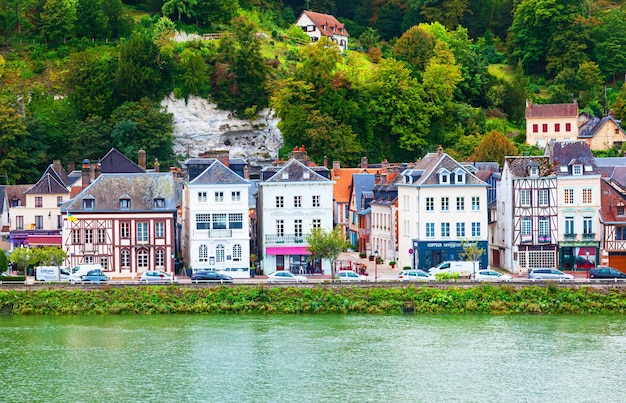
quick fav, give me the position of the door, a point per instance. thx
(280, 262)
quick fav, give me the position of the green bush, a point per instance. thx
(447, 276)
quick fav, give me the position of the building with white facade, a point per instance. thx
(316, 25)
(292, 200)
(440, 204)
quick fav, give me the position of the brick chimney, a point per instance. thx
(70, 167)
(363, 162)
(383, 166)
(300, 154)
(325, 162)
(246, 175)
(56, 165)
(336, 173)
(97, 170)
(156, 165)
(86, 173)
(439, 150)
(222, 155)
(141, 159)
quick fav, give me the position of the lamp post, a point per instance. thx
(376, 265)
(587, 266)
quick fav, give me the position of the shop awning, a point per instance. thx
(286, 250)
(45, 240)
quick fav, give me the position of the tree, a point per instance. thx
(13, 137)
(23, 258)
(193, 71)
(619, 106)
(57, 20)
(4, 262)
(327, 245)
(179, 7)
(92, 22)
(448, 12)
(471, 252)
(610, 43)
(494, 147)
(326, 137)
(138, 73)
(212, 12)
(416, 47)
(318, 64)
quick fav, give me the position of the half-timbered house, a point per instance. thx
(613, 220)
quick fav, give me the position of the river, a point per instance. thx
(307, 358)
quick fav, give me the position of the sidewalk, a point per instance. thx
(383, 270)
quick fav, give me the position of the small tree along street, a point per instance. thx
(328, 245)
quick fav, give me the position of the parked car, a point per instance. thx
(349, 275)
(549, 274)
(156, 277)
(490, 275)
(210, 276)
(94, 276)
(286, 277)
(415, 275)
(606, 272)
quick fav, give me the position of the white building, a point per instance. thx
(293, 199)
(217, 225)
(440, 204)
(316, 25)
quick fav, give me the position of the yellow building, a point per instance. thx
(551, 122)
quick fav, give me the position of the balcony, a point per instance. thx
(274, 239)
(364, 231)
(569, 237)
(589, 236)
(220, 233)
(544, 239)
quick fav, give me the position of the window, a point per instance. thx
(203, 221)
(159, 229)
(445, 204)
(280, 201)
(59, 200)
(142, 260)
(19, 222)
(235, 221)
(525, 197)
(219, 253)
(125, 230)
(280, 227)
(587, 196)
(443, 178)
(569, 226)
(142, 232)
(38, 222)
(38, 201)
(125, 260)
(102, 236)
(543, 197)
(235, 196)
(317, 223)
(76, 236)
(460, 229)
(430, 230)
(544, 226)
(535, 128)
(460, 204)
(534, 171)
(297, 201)
(203, 253)
(620, 211)
(527, 226)
(544, 127)
(557, 127)
(568, 196)
(460, 178)
(475, 229)
(236, 252)
(445, 230)
(587, 225)
(159, 203)
(568, 127)
(104, 262)
(89, 259)
(202, 197)
(219, 197)
(430, 204)
(219, 221)
(160, 258)
(577, 169)
(88, 236)
(475, 203)
(297, 226)
(124, 204)
(316, 200)
(89, 204)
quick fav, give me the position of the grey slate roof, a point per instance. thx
(425, 171)
(567, 153)
(116, 162)
(595, 124)
(518, 165)
(195, 166)
(216, 173)
(361, 183)
(47, 184)
(141, 188)
(293, 171)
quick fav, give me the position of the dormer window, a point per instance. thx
(577, 169)
(159, 203)
(533, 171)
(459, 176)
(124, 203)
(89, 204)
(443, 178)
(620, 211)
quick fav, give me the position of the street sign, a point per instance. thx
(410, 251)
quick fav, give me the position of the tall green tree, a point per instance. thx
(179, 8)
(325, 137)
(138, 73)
(193, 71)
(213, 12)
(57, 20)
(327, 245)
(416, 47)
(13, 135)
(610, 43)
(91, 20)
(318, 63)
(494, 146)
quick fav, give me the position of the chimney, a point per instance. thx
(325, 162)
(383, 166)
(56, 165)
(222, 155)
(92, 171)
(336, 173)
(97, 170)
(70, 167)
(86, 171)
(141, 159)
(363, 162)
(300, 154)
(246, 175)
(156, 165)
(439, 150)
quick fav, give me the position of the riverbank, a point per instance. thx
(484, 299)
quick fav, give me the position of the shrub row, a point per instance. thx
(488, 299)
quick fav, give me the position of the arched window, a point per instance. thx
(160, 259)
(125, 259)
(219, 253)
(142, 260)
(203, 253)
(236, 252)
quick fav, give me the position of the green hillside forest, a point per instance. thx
(78, 77)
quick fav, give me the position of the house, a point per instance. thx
(602, 133)
(216, 220)
(578, 189)
(384, 215)
(551, 122)
(359, 211)
(613, 220)
(293, 198)
(440, 204)
(127, 222)
(316, 25)
(4, 219)
(526, 232)
(342, 178)
(35, 219)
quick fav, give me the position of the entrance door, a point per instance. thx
(280, 262)
(495, 258)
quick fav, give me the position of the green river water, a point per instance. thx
(307, 358)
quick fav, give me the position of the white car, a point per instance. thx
(415, 275)
(156, 277)
(285, 277)
(349, 275)
(490, 275)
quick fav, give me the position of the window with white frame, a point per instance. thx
(219, 221)
(569, 226)
(316, 223)
(543, 197)
(280, 227)
(142, 232)
(297, 227)
(202, 197)
(235, 220)
(460, 177)
(280, 201)
(104, 262)
(315, 200)
(235, 196)
(124, 203)
(445, 230)
(568, 196)
(203, 221)
(460, 229)
(236, 252)
(577, 169)
(125, 229)
(544, 226)
(125, 259)
(159, 229)
(443, 178)
(445, 204)
(587, 225)
(219, 197)
(524, 197)
(142, 260)
(203, 253)
(160, 258)
(475, 203)
(102, 236)
(89, 259)
(587, 196)
(476, 229)
(527, 226)
(460, 204)
(76, 236)
(88, 236)
(219, 253)
(430, 230)
(430, 204)
(297, 201)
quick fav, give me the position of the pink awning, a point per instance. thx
(286, 250)
(45, 240)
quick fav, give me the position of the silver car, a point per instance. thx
(349, 275)
(286, 277)
(415, 275)
(548, 274)
(490, 275)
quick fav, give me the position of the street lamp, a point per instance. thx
(376, 265)
(587, 254)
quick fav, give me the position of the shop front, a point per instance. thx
(295, 259)
(431, 253)
(578, 256)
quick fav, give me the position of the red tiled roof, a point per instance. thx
(551, 110)
(343, 180)
(320, 20)
(611, 198)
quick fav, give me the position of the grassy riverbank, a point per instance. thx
(548, 299)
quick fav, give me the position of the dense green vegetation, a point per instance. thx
(548, 299)
(78, 77)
